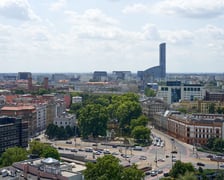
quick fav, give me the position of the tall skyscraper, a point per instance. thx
(156, 72)
(162, 59)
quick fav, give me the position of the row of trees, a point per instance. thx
(60, 133)
(37, 148)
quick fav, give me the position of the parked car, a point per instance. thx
(147, 173)
(161, 160)
(142, 157)
(68, 142)
(154, 173)
(200, 164)
(137, 148)
(74, 150)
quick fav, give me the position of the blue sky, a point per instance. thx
(92, 35)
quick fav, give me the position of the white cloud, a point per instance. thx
(135, 8)
(58, 5)
(191, 8)
(17, 9)
(91, 16)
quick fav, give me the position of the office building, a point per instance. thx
(24, 75)
(174, 91)
(13, 132)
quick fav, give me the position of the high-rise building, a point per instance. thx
(156, 72)
(24, 75)
(162, 59)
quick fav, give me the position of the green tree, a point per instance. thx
(93, 120)
(108, 167)
(140, 121)
(12, 155)
(218, 144)
(43, 150)
(181, 168)
(187, 176)
(50, 151)
(105, 168)
(150, 92)
(211, 108)
(141, 134)
(127, 111)
(132, 173)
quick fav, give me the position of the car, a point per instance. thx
(154, 173)
(60, 148)
(165, 174)
(137, 148)
(147, 173)
(222, 165)
(106, 151)
(88, 149)
(209, 156)
(160, 171)
(161, 160)
(74, 150)
(68, 142)
(200, 164)
(96, 152)
(174, 152)
(174, 159)
(115, 153)
(94, 144)
(142, 157)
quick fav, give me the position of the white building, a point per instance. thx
(174, 91)
(65, 120)
(41, 110)
(76, 99)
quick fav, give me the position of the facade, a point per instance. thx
(13, 132)
(174, 91)
(26, 113)
(214, 96)
(100, 76)
(41, 110)
(76, 99)
(200, 106)
(24, 75)
(151, 106)
(193, 129)
(65, 120)
(157, 72)
(121, 75)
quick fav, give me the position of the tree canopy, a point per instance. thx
(12, 155)
(43, 150)
(180, 168)
(108, 167)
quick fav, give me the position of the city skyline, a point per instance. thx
(111, 35)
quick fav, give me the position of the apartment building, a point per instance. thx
(192, 129)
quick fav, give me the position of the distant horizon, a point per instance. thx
(108, 72)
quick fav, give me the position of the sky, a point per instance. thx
(111, 35)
